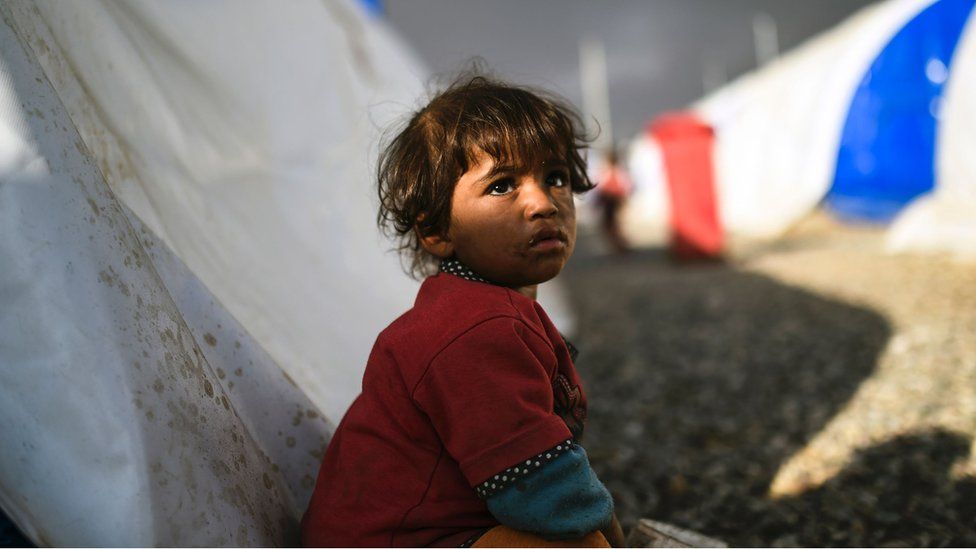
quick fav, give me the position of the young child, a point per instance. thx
(468, 424)
(612, 192)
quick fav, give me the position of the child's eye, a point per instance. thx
(557, 178)
(502, 186)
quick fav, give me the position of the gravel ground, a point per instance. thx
(811, 392)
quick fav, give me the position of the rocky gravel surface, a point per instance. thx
(812, 392)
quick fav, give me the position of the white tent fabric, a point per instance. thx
(119, 428)
(777, 135)
(239, 133)
(136, 410)
(645, 216)
(945, 219)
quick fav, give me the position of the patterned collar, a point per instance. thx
(453, 266)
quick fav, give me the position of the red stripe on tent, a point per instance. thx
(687, 145)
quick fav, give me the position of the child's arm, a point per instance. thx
(562, 499)
(489, 395)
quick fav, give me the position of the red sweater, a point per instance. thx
(470, 381)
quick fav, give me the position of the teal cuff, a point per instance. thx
(561, 500)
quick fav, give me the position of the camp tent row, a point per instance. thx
(872, 119)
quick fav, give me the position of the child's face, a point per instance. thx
(514, 228)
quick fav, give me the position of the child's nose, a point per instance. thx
(537, 200)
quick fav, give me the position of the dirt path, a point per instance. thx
(814, 392)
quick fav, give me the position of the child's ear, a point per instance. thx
(436, 244)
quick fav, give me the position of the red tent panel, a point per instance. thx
(687, 145)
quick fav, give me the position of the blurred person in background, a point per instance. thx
(613, 188)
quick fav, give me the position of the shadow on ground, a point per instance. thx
(899, 493)
(704, 380)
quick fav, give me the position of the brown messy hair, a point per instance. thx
(419, 167)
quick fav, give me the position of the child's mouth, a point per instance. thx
(548, 244)
(548, 240)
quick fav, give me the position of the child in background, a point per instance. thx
(612, 191)
(468, 425)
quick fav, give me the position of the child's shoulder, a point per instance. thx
(448, 306)
(462, 320)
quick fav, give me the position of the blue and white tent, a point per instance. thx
(872, 119)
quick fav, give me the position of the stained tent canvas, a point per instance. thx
(189, 269)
